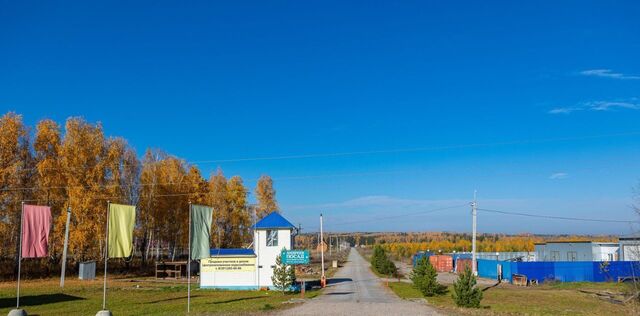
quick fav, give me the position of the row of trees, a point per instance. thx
(484, 244)
(465, 292)
(80, 168)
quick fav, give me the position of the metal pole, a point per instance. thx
(322, 278)
(256, 245)
(66, 245)
(20, 254)
(474, 213)
(189, 265)
(106, 256)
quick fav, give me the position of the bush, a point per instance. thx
(381, 262)
(466, 293)
(283, 275)
(425, 278)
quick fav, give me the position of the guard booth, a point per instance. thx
(271, 235)
(249, 269)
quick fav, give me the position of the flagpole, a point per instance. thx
(20, 254)
(106, 256)
(66, 245)
(189, 265)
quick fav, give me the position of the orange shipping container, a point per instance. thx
(461, 264)
(442, 263)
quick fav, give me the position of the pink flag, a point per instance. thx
(36, 223)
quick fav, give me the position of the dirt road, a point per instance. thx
(355, 290)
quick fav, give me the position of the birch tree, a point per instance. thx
(266, 196)
(16, 178)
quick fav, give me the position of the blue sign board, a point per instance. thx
(295, 256)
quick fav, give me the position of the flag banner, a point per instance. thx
(36, 224)
(121, 221)
(201, 218)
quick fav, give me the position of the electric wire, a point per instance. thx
(382, 151)
(558, 217)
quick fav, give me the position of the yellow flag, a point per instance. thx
(122, 218)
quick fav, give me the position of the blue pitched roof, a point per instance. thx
(231, 252)
(274, 220)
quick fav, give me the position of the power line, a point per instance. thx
(303, 177)
(116, 197)
(557, 217)
(398, 216)
(484, 210)
(416, 149)
(383, 151)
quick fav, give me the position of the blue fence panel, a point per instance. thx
(576, 271)
(506, 269)
(615, 270)
(488, 269)
(564, 271)
(539, 271)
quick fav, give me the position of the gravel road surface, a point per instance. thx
(355, 290)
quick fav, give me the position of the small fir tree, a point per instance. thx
(424, 277)
(381, 262)
(283, 275)
(466, 293)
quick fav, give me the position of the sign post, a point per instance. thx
(295, 257)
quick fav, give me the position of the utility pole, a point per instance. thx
(474, 214)
(323, 280)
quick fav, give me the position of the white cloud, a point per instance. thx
(608, 105)
(608, 73)
(558, 176)
(599, 106)
(563, 110)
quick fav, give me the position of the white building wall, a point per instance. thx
(605, 252)
(578, 251)
(267, 255)
(231, 280)
(630, 250)
(541, 254)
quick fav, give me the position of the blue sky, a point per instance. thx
(211, 82)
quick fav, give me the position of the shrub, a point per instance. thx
(381, 262)
(466, 293)
(425, 278)
(283, 275)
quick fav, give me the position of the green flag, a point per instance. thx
(121, 221)
(201, 218)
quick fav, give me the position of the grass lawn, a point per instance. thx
(144, 297)
(558, 299)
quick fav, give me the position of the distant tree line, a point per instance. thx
(77, 166)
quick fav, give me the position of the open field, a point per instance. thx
(136, 297)
(557, 299)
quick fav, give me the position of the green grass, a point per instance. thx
(146, 297)
(557, 299)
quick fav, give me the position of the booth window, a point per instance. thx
(272, 238)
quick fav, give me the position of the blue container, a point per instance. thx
(419, 256)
